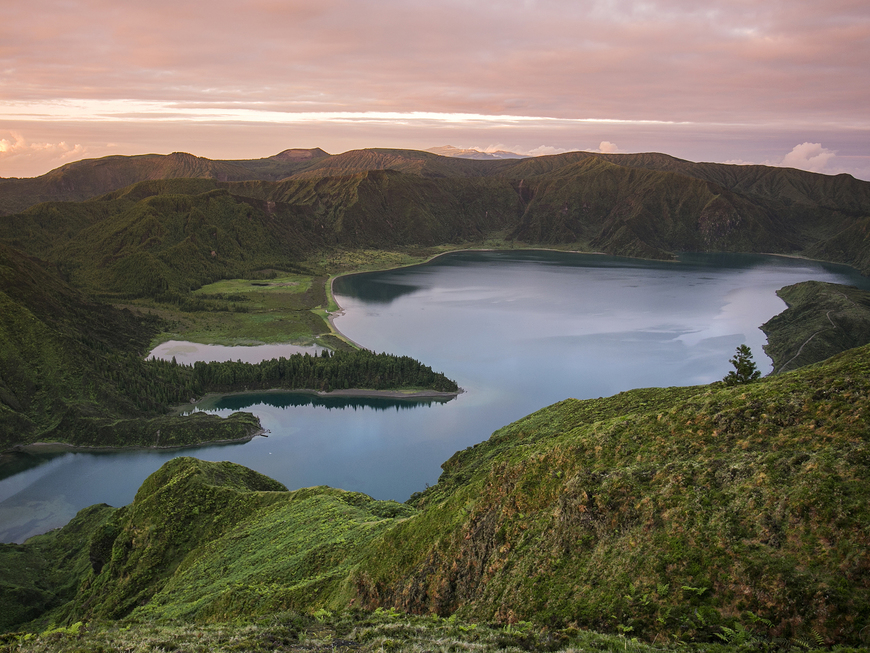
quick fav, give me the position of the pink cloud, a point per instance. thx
(808, 156)
(17, 152)
(606, 147)
(721, 66)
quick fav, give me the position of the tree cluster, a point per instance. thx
(153, 386)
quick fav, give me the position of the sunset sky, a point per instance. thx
(780, 82)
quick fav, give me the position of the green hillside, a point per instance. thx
(676, 514)
(89, 178)
(822, 319)
(305, 201)
(662, 510)
(72, 371)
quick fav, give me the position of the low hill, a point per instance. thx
(673, 512)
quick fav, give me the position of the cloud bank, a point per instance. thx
(720, 80)
(16, 150)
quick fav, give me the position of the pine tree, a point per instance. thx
(744, 368)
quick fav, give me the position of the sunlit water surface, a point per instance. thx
(518, 331)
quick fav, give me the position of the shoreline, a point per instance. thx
(61, 447)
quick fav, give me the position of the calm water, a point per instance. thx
(518, 331)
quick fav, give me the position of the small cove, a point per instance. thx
(517, 330)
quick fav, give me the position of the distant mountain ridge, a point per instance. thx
(642, 205)
(464, 153)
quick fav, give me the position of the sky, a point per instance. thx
(777, 82)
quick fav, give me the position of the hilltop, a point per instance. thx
(676, 514)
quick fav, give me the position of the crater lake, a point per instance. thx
(517, 330)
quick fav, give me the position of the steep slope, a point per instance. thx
(46, 573)
(69, 368)
(209, 541)
(646, 213)
(174, 235)
(646, 205)
(657, 511)
(665, 512)
(164, 235)
(387, 208)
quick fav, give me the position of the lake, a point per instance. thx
(517, 330)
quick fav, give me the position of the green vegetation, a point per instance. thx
(744, 370)
(366, 632)
(712, 518)
(710, 514)
(671, 512)
(822, 319)
(648, 205)
(337, 371)
(73, 370)
(45, 573)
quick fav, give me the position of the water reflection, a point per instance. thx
(373, 292)
(517, 330)
(330, 402)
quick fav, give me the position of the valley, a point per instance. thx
(687, 514)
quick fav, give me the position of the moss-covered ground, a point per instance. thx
(324, 631)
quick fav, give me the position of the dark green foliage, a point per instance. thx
(328, 371)
(744, 370)
(45, 573)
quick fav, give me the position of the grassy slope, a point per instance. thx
(822, 319)
(665, 511)
(206, 542)
(72, 369)
(45, 573)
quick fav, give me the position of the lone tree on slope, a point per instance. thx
(744, 368)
